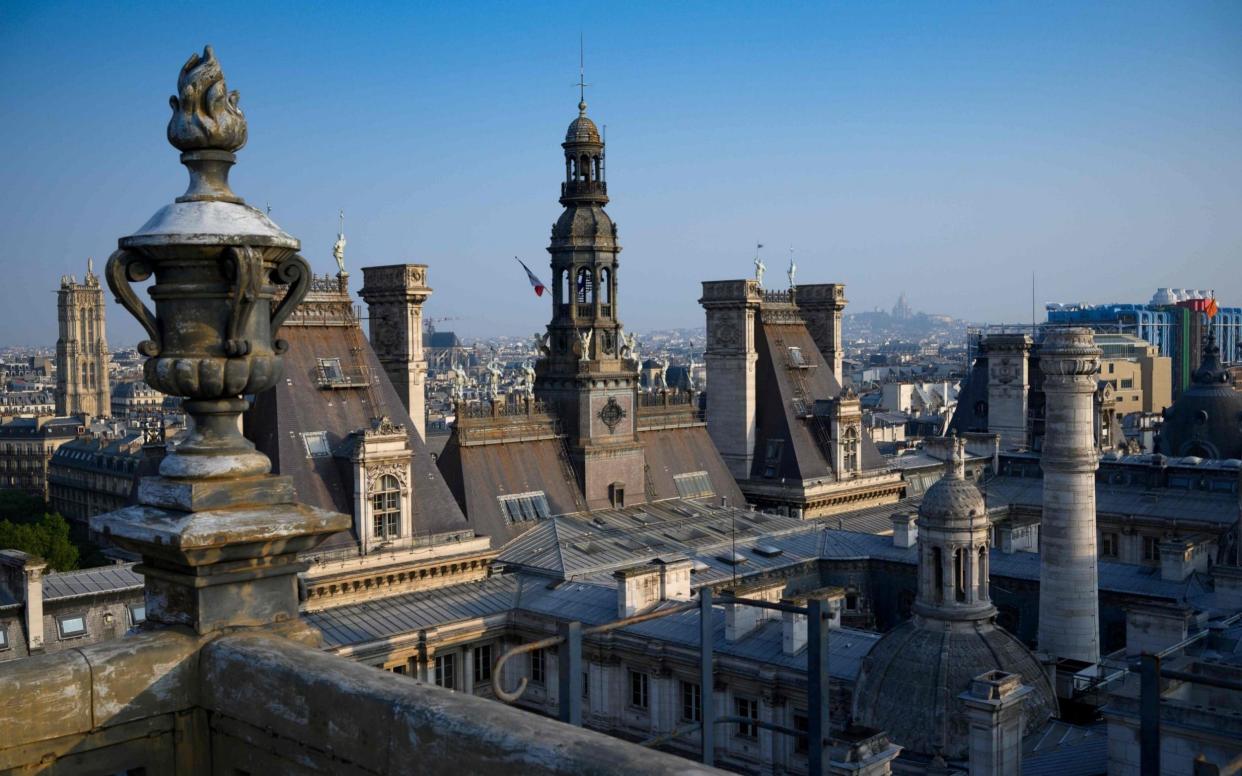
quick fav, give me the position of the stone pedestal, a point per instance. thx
(219, 553)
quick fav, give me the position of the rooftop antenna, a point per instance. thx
(1032, 303)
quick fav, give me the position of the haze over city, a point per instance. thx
(944, 150)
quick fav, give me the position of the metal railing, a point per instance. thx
(1085, 684)
(569, 674)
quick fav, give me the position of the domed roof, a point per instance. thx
(586, 226)
(1206, 420)
(910, 682)
(582, 129)
(952, 497)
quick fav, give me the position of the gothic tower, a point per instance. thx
(82, 350)
(582, 373)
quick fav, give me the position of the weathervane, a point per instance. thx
(582, 84)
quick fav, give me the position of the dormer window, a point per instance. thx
(386, 508)
(316, 444)
(525, 507)
(330, 370)
(693, 485)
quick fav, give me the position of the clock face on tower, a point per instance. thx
(611, 414)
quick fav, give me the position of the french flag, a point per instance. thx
(535, 282)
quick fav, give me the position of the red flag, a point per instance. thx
(535, 282)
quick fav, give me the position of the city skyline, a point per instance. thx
(1003, 143)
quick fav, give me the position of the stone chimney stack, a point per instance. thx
(1009, 386)
(863, 752)
(394, 295)
(793, 628)
(638, 589)
(675, 579)
(905, 529)
(731, 307)
(741, 621)
(23, 577)
(994, 710)
(1069, 618)
(822, 305)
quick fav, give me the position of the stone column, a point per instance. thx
(1069, 617)
(394, 295)
(730, 358)
(994, 709)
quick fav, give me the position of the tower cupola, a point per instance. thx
(953, 546)
(584, 162)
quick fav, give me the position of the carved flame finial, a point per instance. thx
(205, 114)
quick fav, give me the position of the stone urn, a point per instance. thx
(217, 264)
(219, 535)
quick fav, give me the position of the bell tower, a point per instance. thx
(583, 373)
(82, 350)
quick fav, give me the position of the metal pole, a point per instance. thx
(1149, 715)
(817, 687)
(707, 705)
(569, 668)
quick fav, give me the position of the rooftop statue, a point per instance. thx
(338, 248)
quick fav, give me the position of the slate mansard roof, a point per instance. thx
(786, 395)
(300, 403)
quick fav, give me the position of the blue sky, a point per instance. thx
(944, 149)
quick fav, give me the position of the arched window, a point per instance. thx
(386, 508)
(959, 575)
(849, 450)
(586, 285)
(605, 285)
(938, 574)
(982, 576)
(565, 297)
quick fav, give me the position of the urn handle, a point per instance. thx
(122, 269)
(294, 272)
(246, 263)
